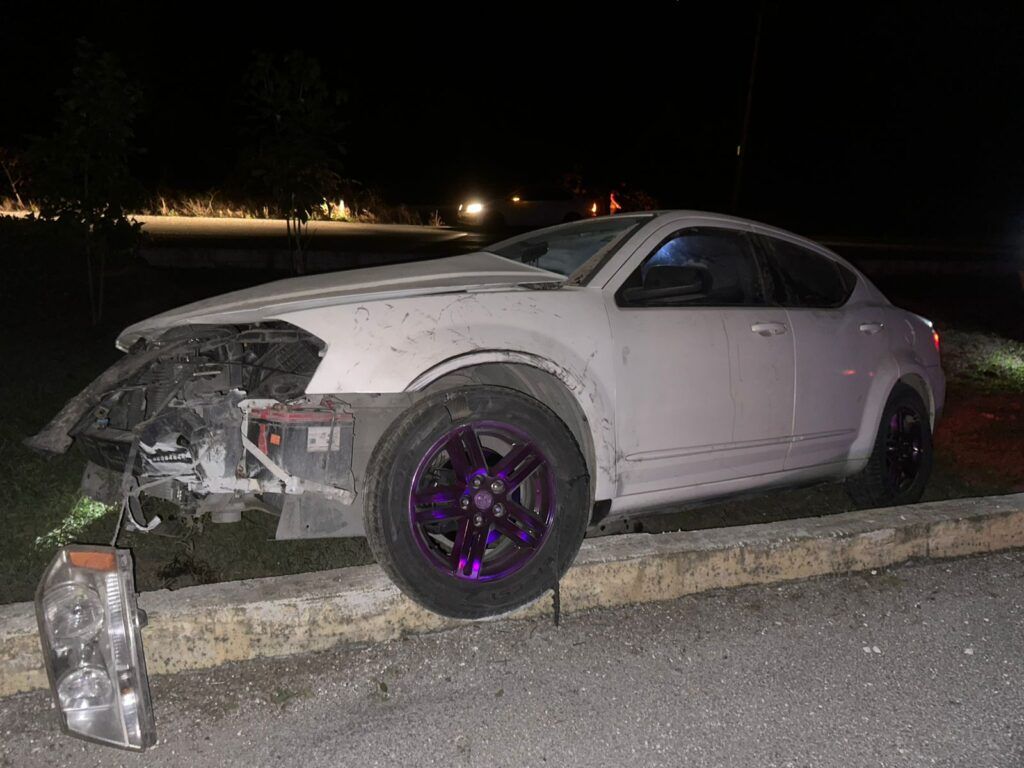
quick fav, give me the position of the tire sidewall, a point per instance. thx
(388, 503)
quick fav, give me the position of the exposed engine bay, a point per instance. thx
(215, 419)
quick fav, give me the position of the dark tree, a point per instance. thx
(13, 168)
(292, 153)
(80, 174)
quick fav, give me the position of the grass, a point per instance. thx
(985, 361)
(39, 497)
(10, 205)
(82, 514)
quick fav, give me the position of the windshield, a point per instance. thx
(566, 248)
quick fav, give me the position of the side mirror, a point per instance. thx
(668, 284)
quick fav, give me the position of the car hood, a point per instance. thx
(272, 300)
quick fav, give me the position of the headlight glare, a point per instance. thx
(474, 207)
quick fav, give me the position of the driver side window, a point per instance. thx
(699, 266)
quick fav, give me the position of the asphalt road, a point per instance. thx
(912, 666)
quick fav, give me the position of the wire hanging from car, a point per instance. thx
(556, 593)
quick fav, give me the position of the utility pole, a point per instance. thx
(745, 130)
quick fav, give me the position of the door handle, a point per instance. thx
(871, 328)
(769, 329)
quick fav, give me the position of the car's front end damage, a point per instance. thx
(213, 418)
(275, 398)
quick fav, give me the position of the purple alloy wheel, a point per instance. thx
(903, 448)
(482, 501)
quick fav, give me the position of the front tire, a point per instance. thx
(901, 461)
(477, 501)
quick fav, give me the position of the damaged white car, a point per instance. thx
(474, 416)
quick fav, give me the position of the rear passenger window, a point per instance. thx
(804, 278)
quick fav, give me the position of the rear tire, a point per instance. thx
(902, 457)
(477, 502)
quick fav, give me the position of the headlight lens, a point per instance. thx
(90, 632)
(73, 612)
(474, 207)
(85, 688)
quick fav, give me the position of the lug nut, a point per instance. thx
(498, 509)
(477, 481)
(497, 486)
(464, 502)
(478, 520)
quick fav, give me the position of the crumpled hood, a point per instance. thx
(271, 300)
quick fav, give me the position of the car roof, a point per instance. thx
(760, 227)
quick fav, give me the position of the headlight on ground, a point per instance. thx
(86, 687)
(73, 613)
(92, 645)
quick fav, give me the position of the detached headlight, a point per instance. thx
(73, 612)
(474, 207)
(90, 632)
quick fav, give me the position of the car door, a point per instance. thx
(839, 346)
(704, 380)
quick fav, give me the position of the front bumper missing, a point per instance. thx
(214, 419)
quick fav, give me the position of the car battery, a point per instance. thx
(310, 442)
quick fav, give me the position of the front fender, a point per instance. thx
(590, 396)
(402, 345)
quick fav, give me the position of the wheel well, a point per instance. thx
(540, 385)
(920, 386)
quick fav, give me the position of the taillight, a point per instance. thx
(935, 339)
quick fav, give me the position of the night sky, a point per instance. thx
(903, 121)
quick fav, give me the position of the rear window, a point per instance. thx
(805, 278)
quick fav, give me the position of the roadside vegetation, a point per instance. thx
(983, 361)
(353, 204)
(289, 163)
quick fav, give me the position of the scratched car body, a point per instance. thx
(475, 416)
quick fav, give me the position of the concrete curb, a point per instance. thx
(201, 627)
